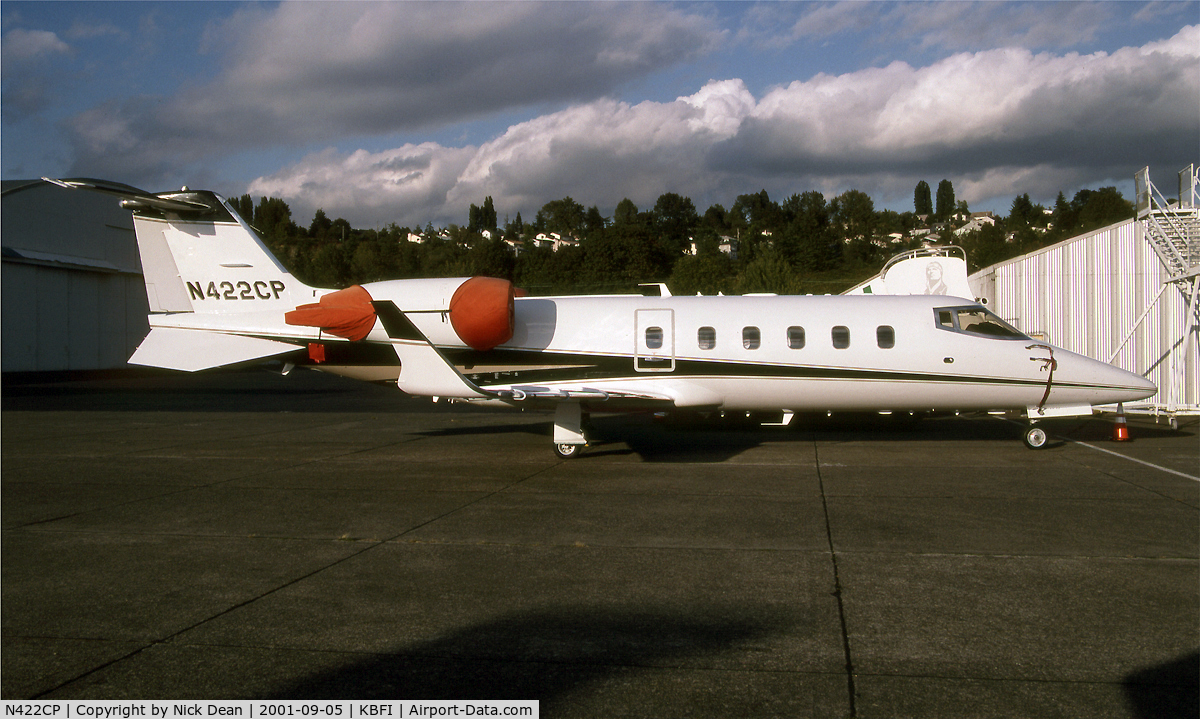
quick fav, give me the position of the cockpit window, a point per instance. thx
(976, 320)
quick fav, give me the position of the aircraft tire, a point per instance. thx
(568, 451)
(1036, 438)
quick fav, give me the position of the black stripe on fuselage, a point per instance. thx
(529, 366)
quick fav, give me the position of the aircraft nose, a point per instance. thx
(1145, 386)
(1105, 384)
(1125, 386)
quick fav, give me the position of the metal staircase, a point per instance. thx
(1173, 230)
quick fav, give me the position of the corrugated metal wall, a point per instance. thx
(73, 294)
(1085, 294)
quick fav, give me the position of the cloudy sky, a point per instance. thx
(409, 112)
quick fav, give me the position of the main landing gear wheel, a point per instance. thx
(1036, 437)
(568, 451)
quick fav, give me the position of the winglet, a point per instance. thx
(423, 370)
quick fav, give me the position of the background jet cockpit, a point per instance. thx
(975, 320)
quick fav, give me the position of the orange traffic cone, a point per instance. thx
(1120, 429)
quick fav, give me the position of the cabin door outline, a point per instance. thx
(654, 340)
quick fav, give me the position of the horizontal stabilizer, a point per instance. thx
(135, 199)
(194, 350)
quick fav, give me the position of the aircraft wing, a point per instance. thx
(582, 394)
(425, 371)
(194, 350)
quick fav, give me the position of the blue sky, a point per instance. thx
(410, 112)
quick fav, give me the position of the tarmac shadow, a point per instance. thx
(702, 439)
(1166, 690)
(543, 655)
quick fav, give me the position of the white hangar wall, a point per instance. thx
(1087, 295)
(73, 297)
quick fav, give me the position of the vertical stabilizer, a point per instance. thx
(199, 256)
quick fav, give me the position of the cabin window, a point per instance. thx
(751, 338)
(796, 338)
(841, 337)
(706, 337)
(654, 338)
(885, 336)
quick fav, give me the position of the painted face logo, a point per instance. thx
(259, 290)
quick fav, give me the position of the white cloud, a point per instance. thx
(303, 73)
(21, 46)
(408, 184)
(24, 58)
(80, 30)
(994, 122)
(972, 110)
(910, 28)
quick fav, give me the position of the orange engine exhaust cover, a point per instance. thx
(481, 312)
(346, 313)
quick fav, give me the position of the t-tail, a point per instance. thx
(199, 255)
(217, 295)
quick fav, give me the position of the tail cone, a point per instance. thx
(1120, 429)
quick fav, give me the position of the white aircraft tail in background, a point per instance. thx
(218, 297)
(933, 270)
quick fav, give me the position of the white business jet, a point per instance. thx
(219, 298)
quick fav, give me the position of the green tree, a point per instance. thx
(625, 253)
(329, 266)
(273, 217)
(758, 211)
(626, 213)
(514, 229)
(1104, 207)
(810, 240)
(319, 228)
(922, 200)
(487, 215)
(533, 269)
(769, 272)
(340, 230)
(491, 258)
(366, 265)
(593, 221)
(473, 221)
(715, 219)
(244, 206)
(987, 246)
(945, 199)
(854, 212)
(1022, 213)
(705, 274)
(675, 217)
(563, 216)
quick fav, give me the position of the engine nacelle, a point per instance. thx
(346, 313)
(481, 312)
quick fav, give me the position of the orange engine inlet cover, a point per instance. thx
(346, 313)
(481, 312)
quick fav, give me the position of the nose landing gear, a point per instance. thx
(1035, 437)
(569, 439)
(568, 451)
